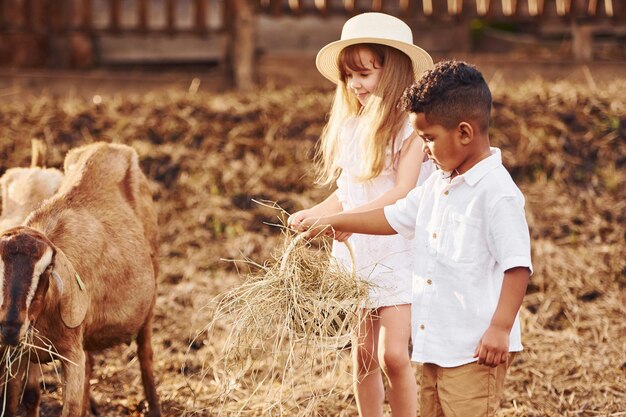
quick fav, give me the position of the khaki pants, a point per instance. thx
(469, 390)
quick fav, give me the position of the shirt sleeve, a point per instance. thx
(509, 237)
(402, 215)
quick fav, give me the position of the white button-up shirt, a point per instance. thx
(467, 232)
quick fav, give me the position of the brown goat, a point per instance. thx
(80, 273)
(23, 190)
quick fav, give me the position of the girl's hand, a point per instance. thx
(312, 227)
(302, 221)
(295, 220)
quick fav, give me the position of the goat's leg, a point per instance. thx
(32, 392)
(12, 386)
(93, 405)
(144, 352)
(74, 383)
(86, 390)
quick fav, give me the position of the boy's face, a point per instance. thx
(444, 147)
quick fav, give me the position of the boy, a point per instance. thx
(472, 246)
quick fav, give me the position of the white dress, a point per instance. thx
(385, 261)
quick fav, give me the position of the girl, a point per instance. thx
(371, 151)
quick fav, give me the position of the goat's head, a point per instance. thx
(28, 263)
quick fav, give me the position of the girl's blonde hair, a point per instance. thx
(380, 118)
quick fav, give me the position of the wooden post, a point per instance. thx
(295, 7)
(142, 15)
(276, 6)
(114, 16)
(241, 42)
(482, 7)
(582, 41)
(81, 44)
(170, 16)
(350, 6)
(200, 24)
(619, 12)
(28, 15)
(87, 17)
(322, 7)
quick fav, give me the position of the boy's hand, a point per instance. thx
(493, 347)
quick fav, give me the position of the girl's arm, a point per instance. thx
(409, 165)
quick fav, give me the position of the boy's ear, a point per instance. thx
(466, 133)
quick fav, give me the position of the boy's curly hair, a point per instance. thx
(450, 93)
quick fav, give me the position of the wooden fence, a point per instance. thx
(64, 33)
(59, 16)
(567, 9)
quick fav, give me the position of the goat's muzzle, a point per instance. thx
(10, 333)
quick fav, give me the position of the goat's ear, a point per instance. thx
(74, 299)
(132, 180)
(71, 159)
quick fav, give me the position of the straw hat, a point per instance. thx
(377, 28)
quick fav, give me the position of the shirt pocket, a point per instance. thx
(463, 238)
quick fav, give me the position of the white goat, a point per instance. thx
(96, 242)
(23, 190)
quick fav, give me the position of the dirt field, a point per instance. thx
(210, 152)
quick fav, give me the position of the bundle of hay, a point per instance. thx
(302, 296)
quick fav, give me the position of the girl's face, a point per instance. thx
(363, 75)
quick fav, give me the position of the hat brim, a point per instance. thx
(327, 58)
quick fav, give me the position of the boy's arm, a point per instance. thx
(371, 222)
(377, 221)
(493, 347)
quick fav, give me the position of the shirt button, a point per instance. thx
(434, 235)
(446, 192)
(429, 281)
(422, 327)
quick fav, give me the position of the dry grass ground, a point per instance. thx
(210, 154)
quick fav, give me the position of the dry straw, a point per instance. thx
(300, 309)
(21, 358)
(302, 296)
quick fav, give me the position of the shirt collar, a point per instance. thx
(478, 171)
